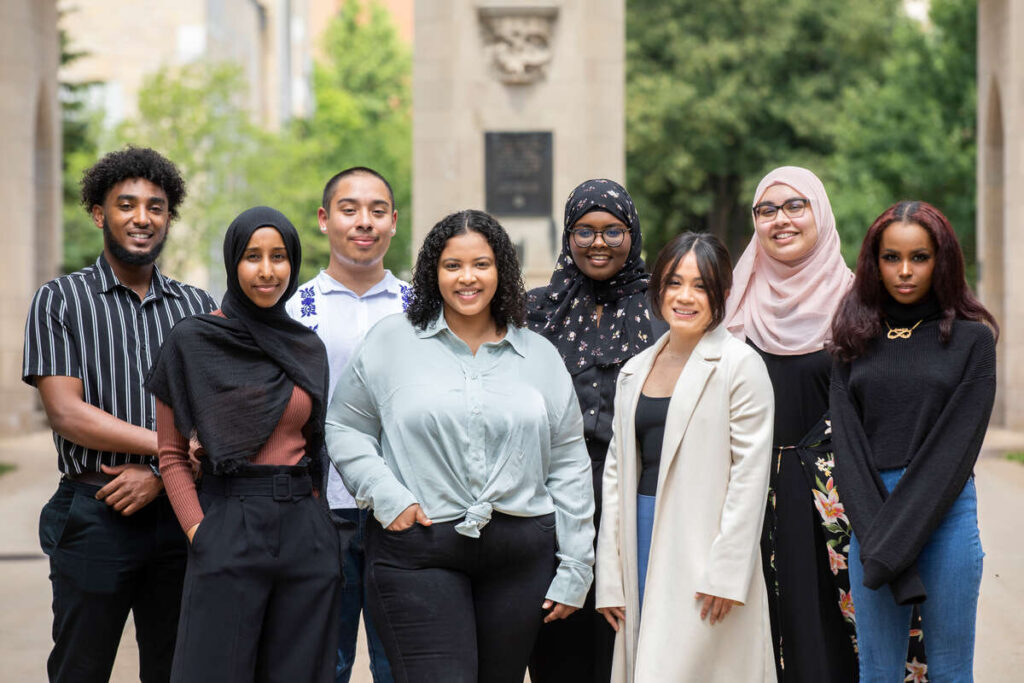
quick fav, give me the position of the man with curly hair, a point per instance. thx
(113, 541)
(340, 304)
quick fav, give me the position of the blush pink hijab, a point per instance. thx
(786, 308)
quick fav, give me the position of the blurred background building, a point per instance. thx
(274, 41)
(30, 186)
(1000, 206)
(708, 109)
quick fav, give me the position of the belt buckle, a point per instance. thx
(282, 487)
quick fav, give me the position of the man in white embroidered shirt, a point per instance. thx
(359, 217)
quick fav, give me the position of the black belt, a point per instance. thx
(100, 479)
(280, 486)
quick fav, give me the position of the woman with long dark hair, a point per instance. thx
(594, 310)
(263, 576)
(912, 390)
(678, 574)
(460, 429)
(788, 283)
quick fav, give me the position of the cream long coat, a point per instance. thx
(712, 487)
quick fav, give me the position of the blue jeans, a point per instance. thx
(950, 567)
(644, 527)
(353, 599)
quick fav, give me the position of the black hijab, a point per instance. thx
(229, 379)
(564, 310)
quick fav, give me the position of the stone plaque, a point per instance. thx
(518, 173)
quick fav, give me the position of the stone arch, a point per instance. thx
(992, 224)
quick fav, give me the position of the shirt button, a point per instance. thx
(594, 385)
(591, 411)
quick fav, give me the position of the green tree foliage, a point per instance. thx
(364, 112)
(878, 105)
(195, 116)
(363, 117)
(910, 133)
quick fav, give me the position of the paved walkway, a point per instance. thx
(25, 590)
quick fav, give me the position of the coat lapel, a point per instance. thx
(687, 392)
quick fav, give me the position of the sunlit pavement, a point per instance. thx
(25, 590)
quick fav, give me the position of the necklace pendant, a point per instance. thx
(902, 332)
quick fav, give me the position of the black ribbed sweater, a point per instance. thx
(914, 403)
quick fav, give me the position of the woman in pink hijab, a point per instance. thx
(786, 286)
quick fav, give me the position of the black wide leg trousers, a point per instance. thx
(262, 585)
(454, 609)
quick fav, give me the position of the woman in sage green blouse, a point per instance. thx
(460, 429)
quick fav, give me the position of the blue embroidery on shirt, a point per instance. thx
(307, 301)
(406, 296)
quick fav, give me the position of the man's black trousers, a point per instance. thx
(103, 565)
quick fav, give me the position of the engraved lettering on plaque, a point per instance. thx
(518, 173)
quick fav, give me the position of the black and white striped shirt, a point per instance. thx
(90, 326)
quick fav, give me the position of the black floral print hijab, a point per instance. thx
(565, 311)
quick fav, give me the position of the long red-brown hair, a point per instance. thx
(858, 319)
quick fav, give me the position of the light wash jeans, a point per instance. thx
(353, 599)
(950, 567)
(644, 527)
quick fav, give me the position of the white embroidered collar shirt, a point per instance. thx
(341, 318)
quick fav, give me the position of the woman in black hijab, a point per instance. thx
(249, 384)
(595, 311)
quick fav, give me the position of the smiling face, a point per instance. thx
(467, 276)
(134, 219)
(906, 261)
(358, 222)
(264, 270)
(600, 261)
(783, 238)
(684, 300)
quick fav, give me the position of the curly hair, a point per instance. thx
(859, 317)
(133, 162)
(508, 307)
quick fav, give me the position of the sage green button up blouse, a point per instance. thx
(417, 418)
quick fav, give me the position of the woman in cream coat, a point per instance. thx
(704, 605)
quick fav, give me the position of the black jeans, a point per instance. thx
(457, 609)
(262, 588)
(103, 565)
(578, 648)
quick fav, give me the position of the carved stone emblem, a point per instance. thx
(518, 41)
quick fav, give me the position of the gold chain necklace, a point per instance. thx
(901, 332)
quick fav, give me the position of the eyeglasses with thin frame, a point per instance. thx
(584, 237)
(793, 208)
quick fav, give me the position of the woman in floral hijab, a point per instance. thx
(595, 311)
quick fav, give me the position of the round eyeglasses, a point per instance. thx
(793, 208)
(584, 237)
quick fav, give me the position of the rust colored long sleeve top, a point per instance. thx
(286, 446)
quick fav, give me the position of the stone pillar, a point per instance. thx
(1000, 226)
(30, 187)
(483, 69)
